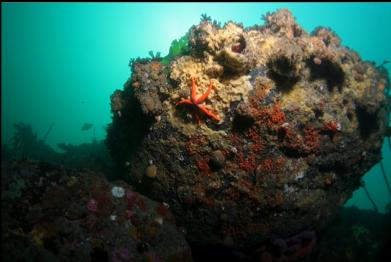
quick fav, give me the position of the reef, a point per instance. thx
(27, 145)
(276, 136)
(51, 213)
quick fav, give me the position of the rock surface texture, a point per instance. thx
(253, 132)
(54, 214)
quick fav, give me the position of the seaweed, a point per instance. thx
(154, 56)
(178, 47)
(205, 18)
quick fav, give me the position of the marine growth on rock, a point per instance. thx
(301, 118)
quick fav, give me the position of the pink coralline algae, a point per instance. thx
(122, 254)
(129, 214)
(92, 205)
(289, 249)
(130, 195)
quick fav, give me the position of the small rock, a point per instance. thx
(159, 220)
(136, 84)
(149, 103)
(317, 61)
(217, 161)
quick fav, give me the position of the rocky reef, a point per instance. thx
(50, 213)
(249, 133)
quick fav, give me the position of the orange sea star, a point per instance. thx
(194, 101)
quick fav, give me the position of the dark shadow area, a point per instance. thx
(218, 253)
(242, 123)
(367, 122)
(283, 72)
(240, 46)
(122, 144)
(331, 72)
(99, 255)
(354, 235)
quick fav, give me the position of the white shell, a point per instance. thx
(118, 191)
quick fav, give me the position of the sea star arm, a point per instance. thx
(207, 112)
(205, 95)
(185, 101)
(193, 90)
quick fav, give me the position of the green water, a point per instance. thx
(61, 62)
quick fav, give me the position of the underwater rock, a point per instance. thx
(217, 160)
(116, 102)
(54, 214)
(278, 143)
